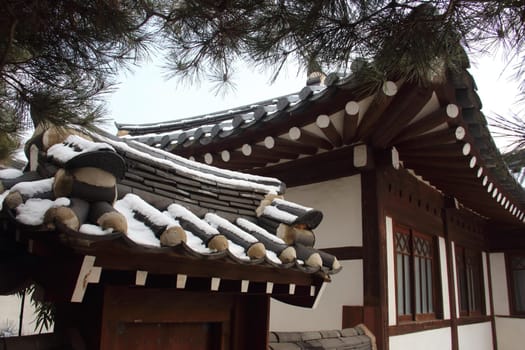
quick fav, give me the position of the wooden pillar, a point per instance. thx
(450, 277)
(374, 260)
(251, 322)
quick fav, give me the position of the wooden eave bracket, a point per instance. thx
(88, 274)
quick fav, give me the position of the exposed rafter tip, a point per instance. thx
(208, 158)
(466, 149)
(352, 108)
(472, 162)
(389, 88)
(460, 133)
(323, 121)
(452, 110)
(479, 173)
(269, 142)
(225, 156)
(246, 149)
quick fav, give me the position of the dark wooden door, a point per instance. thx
(167, 336)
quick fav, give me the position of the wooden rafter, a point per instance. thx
(351, 118)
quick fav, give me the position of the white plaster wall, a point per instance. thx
(436, 339)
(346, 288)
(475, 337)
(455, 275)
(510, 333)
(498, 275)
(390, 268)
(10, 314)
(340, 202)
(444, 280)
(486, 283)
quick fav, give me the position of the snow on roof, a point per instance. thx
(143, 223)
(73, 146)
(33, 210)
(10, 173)
(33, 188)
(278, 214)
(216, 221)
(248, 225)
(178, 211)
(194, 169)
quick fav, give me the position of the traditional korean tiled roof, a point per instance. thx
(133, 207)
(439, 132)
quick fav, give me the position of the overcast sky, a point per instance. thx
(145, 96)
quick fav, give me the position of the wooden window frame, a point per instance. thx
(412, 315)
(469, 265)
(510, 283)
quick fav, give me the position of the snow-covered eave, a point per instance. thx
(192, 169)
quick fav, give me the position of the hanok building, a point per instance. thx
(142, 249)
(420, 208)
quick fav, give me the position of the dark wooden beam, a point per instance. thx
(261, 153)
(431, 121)
(316, 168)
(447, 150)
(274, 145)
(308, 138)
(407, 104)
(350, 121)
(345, 253)
(444, 163)
(324, 123)
(373, 114)
(433, 139)
(288, 146)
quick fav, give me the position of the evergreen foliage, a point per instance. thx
(58, 56)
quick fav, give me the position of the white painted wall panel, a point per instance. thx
(340, 202)
(346, 288)
(475, 337)
(486, 283)
(390, 267)
(510, 333)
(436, 339)
(498, 275)
(455, 275)
(444, 278)
(10, 314)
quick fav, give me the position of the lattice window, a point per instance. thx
(469, 281)
(415, 275)
(423, 275)
(517, 283)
